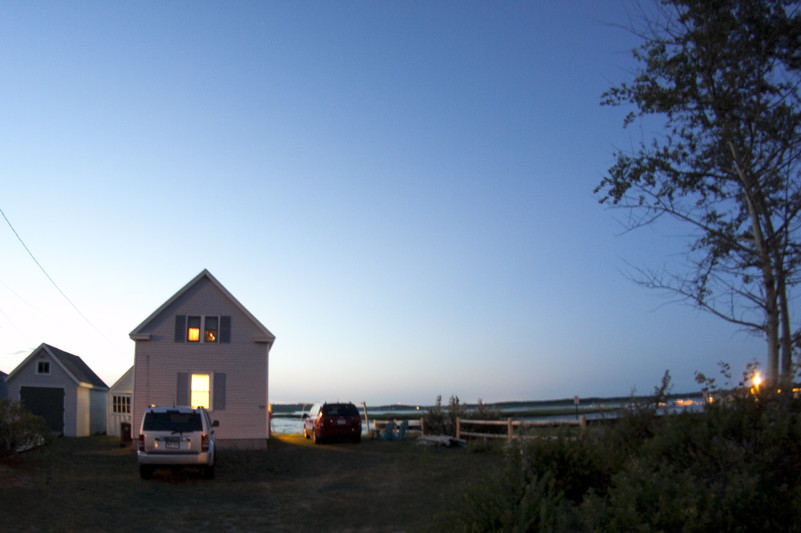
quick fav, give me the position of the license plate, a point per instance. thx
(341, 421)
(173, 444)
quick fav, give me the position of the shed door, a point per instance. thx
(46, 402)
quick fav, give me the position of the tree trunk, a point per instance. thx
(765, 257)
(786, 336)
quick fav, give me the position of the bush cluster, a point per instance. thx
(20, 429)
(441, 420)
(736, 466)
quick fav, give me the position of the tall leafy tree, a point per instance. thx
(723, 76)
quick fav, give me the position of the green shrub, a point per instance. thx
(515, 499)
(439, 421)
(736, 466)
(436, 420)
(20, 429)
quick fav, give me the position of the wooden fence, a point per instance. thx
(514, 427)
(416, 426)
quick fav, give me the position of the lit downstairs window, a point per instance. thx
(200, 390)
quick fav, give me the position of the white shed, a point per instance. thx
(62, 389)
(119, 404)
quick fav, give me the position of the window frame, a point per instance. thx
(194, 323)
(210, 392)
(43, 367)
(198, 329)
(217, 389)
(121, 404)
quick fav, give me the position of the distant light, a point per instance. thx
(756, 380)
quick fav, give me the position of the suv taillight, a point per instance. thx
(141, 442)
(204, 443)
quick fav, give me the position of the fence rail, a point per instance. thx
(416, 426)
(515, 429)
(512, 425)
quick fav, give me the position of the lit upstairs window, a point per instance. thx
(193, 329)
(203, 329)
(210, 328)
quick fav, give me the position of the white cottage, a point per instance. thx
(203, 348)
(62, 389)
(119, 405)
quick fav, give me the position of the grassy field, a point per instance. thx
(91, 484)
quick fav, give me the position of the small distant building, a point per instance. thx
(62, 389)
(119, 404)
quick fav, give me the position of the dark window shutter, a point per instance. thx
(180, 327)
(218, 402)
(225, 329)
(182, 394)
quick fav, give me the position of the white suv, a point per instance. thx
(176, 437)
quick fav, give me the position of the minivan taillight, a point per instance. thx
(204, 443)
(141, 442)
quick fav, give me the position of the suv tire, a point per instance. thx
(315, 438)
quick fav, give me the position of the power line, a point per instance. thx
(53, 282)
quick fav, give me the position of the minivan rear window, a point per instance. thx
(176, 421)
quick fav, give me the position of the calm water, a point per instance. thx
(294, 423)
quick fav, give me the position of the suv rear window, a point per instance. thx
(175, 421)
(345, 409)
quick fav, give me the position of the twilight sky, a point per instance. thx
(400, 191)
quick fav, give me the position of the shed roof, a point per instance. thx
(73, 365)
(124, 383)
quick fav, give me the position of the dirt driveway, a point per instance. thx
(92, 485)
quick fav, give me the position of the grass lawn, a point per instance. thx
(91, 484)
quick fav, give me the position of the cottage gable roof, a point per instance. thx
(124, 383)
(72, 365)
(266, 336)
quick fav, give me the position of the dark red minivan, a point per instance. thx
(328, 421)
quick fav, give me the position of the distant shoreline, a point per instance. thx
(517, 408)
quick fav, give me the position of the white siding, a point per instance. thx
(123, 387)
(57, 378)
(84, 407)
(97, 406)
(159, 361)
(82, 413)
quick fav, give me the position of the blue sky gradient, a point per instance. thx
(400, 191)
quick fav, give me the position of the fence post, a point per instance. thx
(366, 420)
(458, 428)
(582, 426)
(422, 426)
(510, 429)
